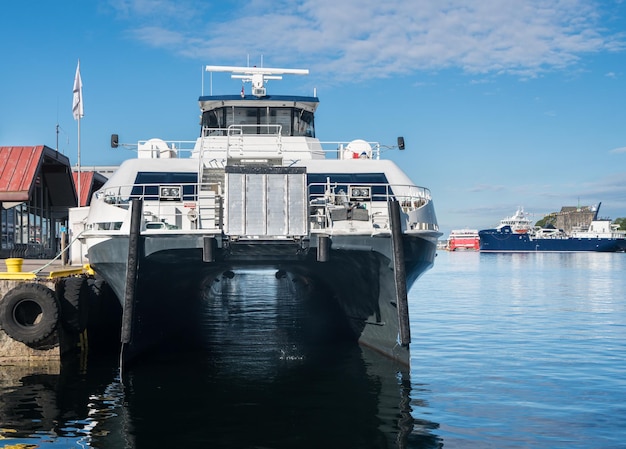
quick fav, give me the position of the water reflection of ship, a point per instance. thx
(253, 382)
(351, 397)
(347, 398)
(68, 407)
(286, 385)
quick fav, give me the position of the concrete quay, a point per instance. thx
(40, 268)
(46, 273)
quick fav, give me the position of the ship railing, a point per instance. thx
(363, 206)
(356, 149)
(252, 129)
(237, 138)
(199, 206)
(262, 139)
(172, 148)
(239, 144)
(237, 141)
(171, 207)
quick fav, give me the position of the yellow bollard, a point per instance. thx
(14, 264)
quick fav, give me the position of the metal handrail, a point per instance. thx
(407, 194)
(324, 200)
(335, 196)
(216, 139)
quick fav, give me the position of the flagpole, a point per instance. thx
(77, 111)
(79, 184)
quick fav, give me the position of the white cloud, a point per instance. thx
(486, 188)
(618, 150)
(369, 38)
(159, 37)
(610, 189)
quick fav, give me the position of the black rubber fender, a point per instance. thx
(29, 313)
(73, 298)
(103, 303)
(105, 318)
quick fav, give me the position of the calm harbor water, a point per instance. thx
(509, 351)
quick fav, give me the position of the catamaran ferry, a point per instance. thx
(258, 190)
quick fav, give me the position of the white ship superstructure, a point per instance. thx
(258, 189)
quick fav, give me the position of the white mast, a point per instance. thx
(256, 75)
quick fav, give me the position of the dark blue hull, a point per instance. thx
(498, 241)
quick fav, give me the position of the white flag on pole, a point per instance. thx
(77, 105)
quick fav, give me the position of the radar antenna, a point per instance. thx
(256, 75)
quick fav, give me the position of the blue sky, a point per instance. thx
(502, 103)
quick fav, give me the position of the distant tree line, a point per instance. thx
(621, 222)
(548, 221)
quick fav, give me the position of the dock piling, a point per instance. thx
(399, 273)
(134, 242)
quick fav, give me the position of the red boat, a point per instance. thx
(463, 239)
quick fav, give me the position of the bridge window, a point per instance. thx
(292, 121)
(303, 123)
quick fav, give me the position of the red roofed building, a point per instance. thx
(36, 191)
(90, 182)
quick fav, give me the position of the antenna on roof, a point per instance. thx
(256, 75)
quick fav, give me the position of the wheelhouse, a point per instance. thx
(284, 115)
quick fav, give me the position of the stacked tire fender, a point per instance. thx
(72, 293)
(32, 313)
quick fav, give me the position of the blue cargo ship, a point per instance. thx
(516, 234)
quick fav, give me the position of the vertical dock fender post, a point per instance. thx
(399, 273)
(208, 249)
(134, 253)
(323, 248)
